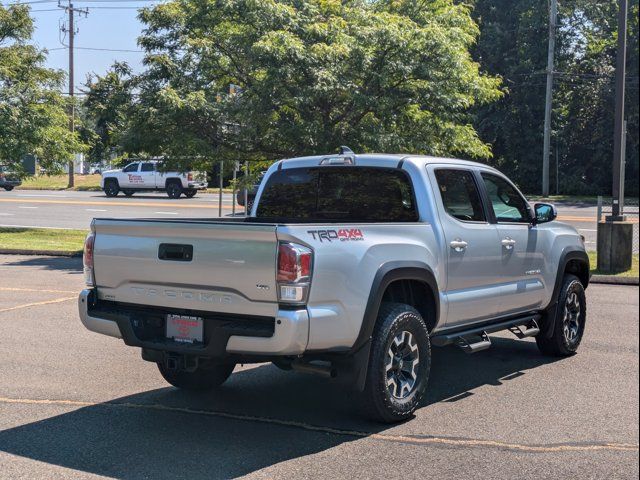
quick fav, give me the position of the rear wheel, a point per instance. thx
(174, 189)
(190, 193)
(111, 187)
(399, 363)
(571, 315)
(200, 379)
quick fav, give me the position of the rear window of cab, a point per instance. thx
(338, 194)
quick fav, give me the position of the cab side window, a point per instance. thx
(460, 195)
(132, 167)
(507, 203)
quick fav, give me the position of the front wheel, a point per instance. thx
(399, 363)
(200, 379)
(111, 188)
(570, 320)
(8, 188)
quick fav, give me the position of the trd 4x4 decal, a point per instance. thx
(342, 234)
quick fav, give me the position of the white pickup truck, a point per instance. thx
(146, 176)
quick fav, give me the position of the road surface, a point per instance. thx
(64, 209)
(78, 405)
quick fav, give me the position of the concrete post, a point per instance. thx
(615, 242)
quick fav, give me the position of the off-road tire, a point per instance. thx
(201, 379)
(190, 193)
(111, 187)
(566, 336)
(174, 189)
(393, 320)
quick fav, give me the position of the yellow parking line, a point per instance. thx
(587, 219)
(116, 203)
(36, 304)
(11, 289)
(425, 440)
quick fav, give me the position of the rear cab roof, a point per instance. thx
(382, 160)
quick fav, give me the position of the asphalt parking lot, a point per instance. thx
(74, 404)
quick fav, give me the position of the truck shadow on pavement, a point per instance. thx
(68, 264)
(260, 418)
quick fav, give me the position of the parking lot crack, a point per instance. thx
(383, 437)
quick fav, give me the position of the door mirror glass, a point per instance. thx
(545, 212)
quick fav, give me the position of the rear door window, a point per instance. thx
(460, 195)
(148, 167)
(335, 194)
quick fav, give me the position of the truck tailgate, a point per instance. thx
(232, 267)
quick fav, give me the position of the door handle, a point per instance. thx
(458, 245)
(508, 243)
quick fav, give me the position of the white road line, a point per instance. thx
(95, 209)
(166, 213)
(28, 207)
(587, 230)
(6, 214)
(40, 195)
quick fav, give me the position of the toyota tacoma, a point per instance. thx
(350, 266)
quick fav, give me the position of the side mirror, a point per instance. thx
(544, 212)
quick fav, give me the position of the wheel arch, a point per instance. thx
(170, 180)
(400, 281)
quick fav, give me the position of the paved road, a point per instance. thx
(76, 209)
(74, 404)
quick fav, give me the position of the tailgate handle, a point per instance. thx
(175, 252)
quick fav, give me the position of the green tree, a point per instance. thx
(33, 118)
(513, 44)
(105, 111)
(307, 76)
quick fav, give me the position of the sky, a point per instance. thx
(109, 25)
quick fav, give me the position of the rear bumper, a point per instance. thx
(197, 185)
(286, 334)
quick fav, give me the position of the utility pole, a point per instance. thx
(618, 129)
(615, 234)
(549, 97)
(71, 30)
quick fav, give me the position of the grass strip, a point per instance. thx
(42, 239)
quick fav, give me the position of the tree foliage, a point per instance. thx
(309, 76)
(33, 118)
(513, 44)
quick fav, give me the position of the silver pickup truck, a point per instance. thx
(350, 267)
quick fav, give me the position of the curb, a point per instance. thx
(614, 280)
(48, 253)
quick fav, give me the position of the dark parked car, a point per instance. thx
(8, 180)
(251, 194)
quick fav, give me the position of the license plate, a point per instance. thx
(184, 329)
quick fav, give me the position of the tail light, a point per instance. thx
(87, 259)
(190, 177)
(294, 273)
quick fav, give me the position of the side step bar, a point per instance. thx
(476, 339)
